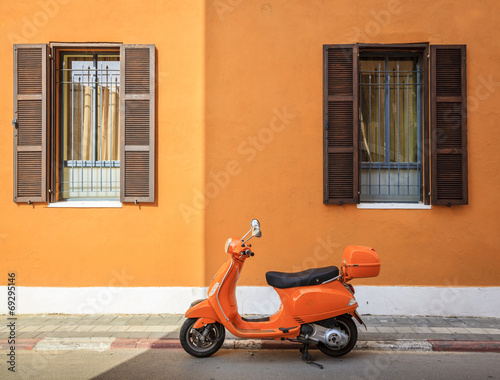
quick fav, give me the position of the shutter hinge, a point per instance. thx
(15, 124)
(325, 124)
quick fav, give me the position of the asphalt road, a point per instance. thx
(249, 364)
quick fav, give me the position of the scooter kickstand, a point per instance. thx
(306, 356)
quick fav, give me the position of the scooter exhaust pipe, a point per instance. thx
(331, 337)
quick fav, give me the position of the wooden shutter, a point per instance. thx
(30, 123)
(449, 125)
(340, 123)
(137, 113)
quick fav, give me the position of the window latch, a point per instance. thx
(15, 123)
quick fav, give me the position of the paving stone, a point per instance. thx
(492, 331)
(440, 330)
(458, 330)
(136, 328)
(118, 328)
(404, 330)
(121, 320)
(99, 328)
(154, 328)
(171, 329)
(422, 330)
(386, 329)
(103, 334)
(83, 328)
(476, 330)
(67, 327)
(28, 328)
(48, 328)
(157, 335)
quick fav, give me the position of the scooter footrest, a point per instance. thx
(285, 330)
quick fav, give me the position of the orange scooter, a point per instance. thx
(317, 305)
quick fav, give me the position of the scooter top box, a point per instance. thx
(359, 261)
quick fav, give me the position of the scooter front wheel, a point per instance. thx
(348, 327)
(204, 341)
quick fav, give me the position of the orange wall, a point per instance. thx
(268, 55)
(148, 244)
(226, 68)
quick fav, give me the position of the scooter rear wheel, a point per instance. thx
(347, 325)
(204, 341)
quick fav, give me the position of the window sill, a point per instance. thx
(394, 206)
(86, 204)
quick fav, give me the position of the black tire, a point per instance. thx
(190, 338)
(347, 325)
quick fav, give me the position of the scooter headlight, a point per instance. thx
(228, 242)
(352, 301)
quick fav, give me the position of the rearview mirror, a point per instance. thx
(256, 232)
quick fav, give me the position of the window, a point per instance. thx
(380, 145)
(84, 122)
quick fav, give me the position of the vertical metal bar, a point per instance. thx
(92, 131)
(361, 134)
(72, 130)
(64, 138)
(419, 130)
(397, 86)
(100, 139)
(110, 134)
(379, 129)
(110, 84)
(387, 123)
(408, 132)
(82, 92)
(370, 133)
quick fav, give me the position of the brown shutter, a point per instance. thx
(137, 113)
(340, 123)
(449, 125)
(30, 123)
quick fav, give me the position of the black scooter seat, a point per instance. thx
(308, 277)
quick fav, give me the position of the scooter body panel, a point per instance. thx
(316, 302)
(202, 309)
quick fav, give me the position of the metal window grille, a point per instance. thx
(391, 130)
(89, 128)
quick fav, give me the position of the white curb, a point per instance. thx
(60, 344)
(394, 345)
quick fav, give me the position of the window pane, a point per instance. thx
(89, 126)
(391, 127)
(372, 101)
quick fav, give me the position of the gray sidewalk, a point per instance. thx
(167, 326)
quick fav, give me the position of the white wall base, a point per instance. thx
(375, 300)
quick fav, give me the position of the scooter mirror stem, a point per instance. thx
(244, 236)
(244, 241)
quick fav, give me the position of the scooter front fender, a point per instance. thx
(203, 311)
